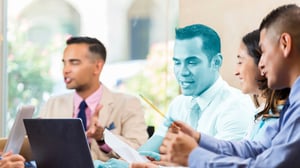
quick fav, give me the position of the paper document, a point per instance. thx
(121, 148)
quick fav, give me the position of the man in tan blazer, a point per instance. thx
(122, 114)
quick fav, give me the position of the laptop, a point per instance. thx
(58, 143)
(17, 133)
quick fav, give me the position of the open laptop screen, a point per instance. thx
(58, 143)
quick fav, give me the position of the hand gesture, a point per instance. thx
(176, 147)
(183, 127)
(95, 129)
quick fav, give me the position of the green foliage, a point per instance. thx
(156, 81)
(28, 70)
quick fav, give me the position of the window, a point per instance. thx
(137, 34)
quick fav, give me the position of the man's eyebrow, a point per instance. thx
(70, 60)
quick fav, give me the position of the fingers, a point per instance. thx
(17, 158)
(6, 154)
(95, 132)
(150, 155)
(174, 128)
(95, 116)
(143, 165)
(95, 129)
(167, 146)
(12, 160)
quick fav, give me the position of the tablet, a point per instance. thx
(17, 132)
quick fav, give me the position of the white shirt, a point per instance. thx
(225, 112)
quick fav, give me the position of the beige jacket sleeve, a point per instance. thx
(126, 114)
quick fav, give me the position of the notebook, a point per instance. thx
(17, 133)
(58, 143)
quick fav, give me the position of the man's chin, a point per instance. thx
(187, 93)
(70, 87)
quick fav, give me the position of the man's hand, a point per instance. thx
(95, 129)
(176, 147)
(143, 165)
(179, 125)
(153, 164)
(10, 160)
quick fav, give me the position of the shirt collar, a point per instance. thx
(206, 97)
(294, 90)
(92, 101)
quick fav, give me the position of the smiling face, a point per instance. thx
(192, 67)
(247, 71)
(81, 71)
(272, 60)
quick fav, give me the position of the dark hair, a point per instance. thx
(95, 46)
(283, 14)
(273, 97)
(251, 41)
(211, 40)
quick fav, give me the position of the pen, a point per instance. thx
(155, 108)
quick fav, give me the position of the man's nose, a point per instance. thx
(66, 69)
(184, 70)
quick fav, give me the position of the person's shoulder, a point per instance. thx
(119, 94)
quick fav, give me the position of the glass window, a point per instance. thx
(137, 34)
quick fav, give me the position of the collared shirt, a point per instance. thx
(225, 111)
(278, 148)
(258, 128)
(92, 101)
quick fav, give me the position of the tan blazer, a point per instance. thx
(124, 111)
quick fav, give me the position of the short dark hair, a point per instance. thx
(285, 18)
(277, 14)
(211, 39)
(95, 46)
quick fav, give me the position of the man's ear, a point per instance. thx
(99, 66)
(216, 61)
(285, 43)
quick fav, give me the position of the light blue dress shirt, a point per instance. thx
(280, 146)
(258, 128)
(225, 113)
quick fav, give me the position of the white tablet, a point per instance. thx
(17, 132)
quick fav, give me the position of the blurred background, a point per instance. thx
(138, 35)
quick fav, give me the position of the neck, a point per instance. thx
(87, 92)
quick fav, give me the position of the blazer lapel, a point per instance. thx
(107, 107)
